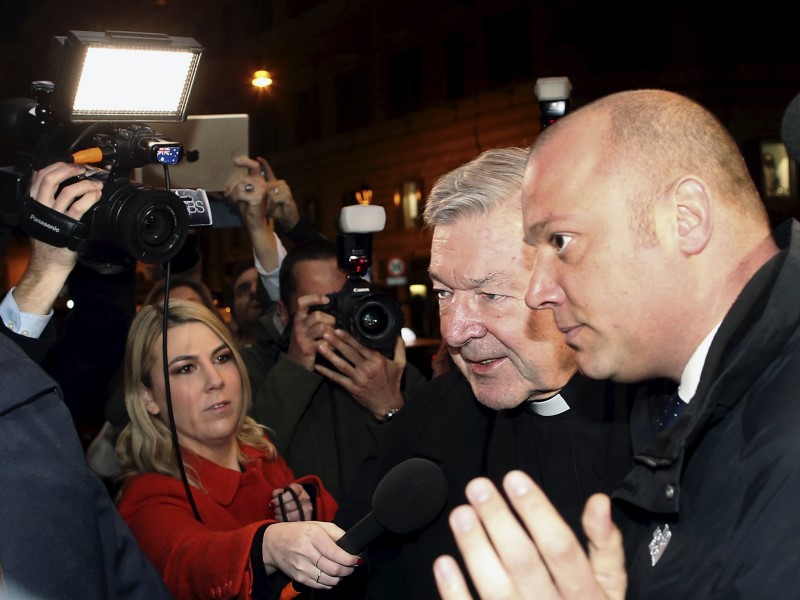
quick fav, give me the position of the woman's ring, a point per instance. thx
(276, 191)
(248, 187)
(316, 564)
(319, 575)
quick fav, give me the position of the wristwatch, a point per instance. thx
(390, 415)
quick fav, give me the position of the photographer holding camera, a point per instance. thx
(62, 536)
(327, 418)
(27, 308)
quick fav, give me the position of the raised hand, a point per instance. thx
(538, 558)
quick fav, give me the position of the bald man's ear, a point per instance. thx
(693, 214)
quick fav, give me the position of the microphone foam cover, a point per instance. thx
(410, 495)
(790, 128)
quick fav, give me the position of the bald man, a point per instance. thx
(513, 400)
(655, 255)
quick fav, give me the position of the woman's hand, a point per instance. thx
(307, 552)
(293, 512)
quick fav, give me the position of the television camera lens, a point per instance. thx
(148, 224)
(157, 226)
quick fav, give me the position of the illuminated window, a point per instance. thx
(408, 200)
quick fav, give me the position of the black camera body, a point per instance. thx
(131, 221)
(369, 314)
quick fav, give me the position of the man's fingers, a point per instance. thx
(76, 199)
(449, 579)
(488, 574)
(252, 166)
(350, 347)
(513, 544)
(304, 303)
(335, 376)
(336, 360)
(606, 552)
(46, 181)
(400, 351)
(558, 547)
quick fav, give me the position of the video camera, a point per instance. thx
(371, 316)
(131, 221)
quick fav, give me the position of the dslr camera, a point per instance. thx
(371, 316)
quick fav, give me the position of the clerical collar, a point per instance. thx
(690, 378)
(550, 407)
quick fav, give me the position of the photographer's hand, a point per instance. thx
(371, 378)
(49, 267)
(308, 329)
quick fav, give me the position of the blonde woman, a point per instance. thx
(249, 542)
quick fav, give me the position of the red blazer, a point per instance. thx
(209, 559)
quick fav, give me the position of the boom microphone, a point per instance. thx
(790, 128)
(408, 497)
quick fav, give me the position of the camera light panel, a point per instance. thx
(133, 80)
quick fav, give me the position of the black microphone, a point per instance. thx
(408, 497)
(790, 128)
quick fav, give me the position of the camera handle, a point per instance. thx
(49, 225)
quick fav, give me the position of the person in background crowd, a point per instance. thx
(247, 307)
(267, 207)
(326, 419)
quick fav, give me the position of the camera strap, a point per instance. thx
(49, 225)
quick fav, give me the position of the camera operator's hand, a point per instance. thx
(371, 378)
(280, 202)
(49, 266)
(308, 330)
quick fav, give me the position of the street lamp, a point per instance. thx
(262, 79)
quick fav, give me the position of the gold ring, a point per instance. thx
(316, 564)
(319, 575)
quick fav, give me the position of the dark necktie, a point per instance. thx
(673, 409)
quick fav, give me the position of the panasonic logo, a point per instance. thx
(44, 224)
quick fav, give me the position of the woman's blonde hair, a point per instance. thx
(145, 445)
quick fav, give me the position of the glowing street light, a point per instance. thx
(262, 79)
